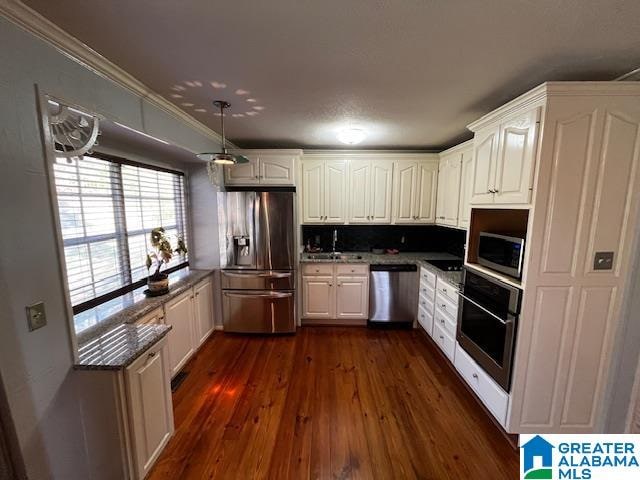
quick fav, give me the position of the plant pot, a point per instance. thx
(158, 284)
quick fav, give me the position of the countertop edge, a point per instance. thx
(114, 368)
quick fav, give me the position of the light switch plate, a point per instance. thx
(36, 316)
(603, 261)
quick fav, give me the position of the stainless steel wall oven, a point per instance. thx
(487, 323)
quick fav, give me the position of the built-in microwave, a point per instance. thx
(502, 253)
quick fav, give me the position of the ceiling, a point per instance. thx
(411, 73)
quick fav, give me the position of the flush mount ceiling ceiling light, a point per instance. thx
(351, 136)
(222, 158)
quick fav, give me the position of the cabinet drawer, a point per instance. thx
(317, 269)
(445, 304)
(445, 322)
(425, 319)
(493, 397)
(428, 277)
(356, 269)
(426, 304)
(427, 291)
(156, 316)
(447, 289)
(445, 341)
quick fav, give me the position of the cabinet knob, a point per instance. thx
(496, 191)
(331, 284)
(475, 375)
(151, 355)
(444, 290)
(441, 337)
(442, 321)
(444, 306)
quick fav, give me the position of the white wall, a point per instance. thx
(37, 366)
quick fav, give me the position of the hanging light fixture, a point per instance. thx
(223, 157)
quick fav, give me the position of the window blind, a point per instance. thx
(108, 207)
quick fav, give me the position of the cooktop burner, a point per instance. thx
(446, 265)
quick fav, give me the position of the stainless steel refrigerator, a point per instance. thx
(257, 250)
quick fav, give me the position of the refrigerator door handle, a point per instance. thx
(261, 295)
(259, 275)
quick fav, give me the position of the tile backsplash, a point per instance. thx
(406, 238)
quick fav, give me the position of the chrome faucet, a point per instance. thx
(335, 239)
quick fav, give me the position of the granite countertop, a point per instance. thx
(114, 341)
(119, 347)
(418, 258)
(134, 305)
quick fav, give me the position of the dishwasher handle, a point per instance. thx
(393, 267)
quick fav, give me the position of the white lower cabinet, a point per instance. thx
(204, 315)
(154, 317)
(444, 340)
(317, 297)
(493, 397)
(180, 315)
(352, 297)
(335, 292)
(191, 316)
(149, 406)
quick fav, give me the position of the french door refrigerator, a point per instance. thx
(257, 250)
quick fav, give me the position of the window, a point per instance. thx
(108, 206)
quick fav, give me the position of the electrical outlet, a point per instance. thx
(36, 316)
(603, 261)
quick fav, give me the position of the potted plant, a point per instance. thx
(158, 282)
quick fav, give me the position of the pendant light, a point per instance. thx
(222, 158)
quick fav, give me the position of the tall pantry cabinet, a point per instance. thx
(571, 151)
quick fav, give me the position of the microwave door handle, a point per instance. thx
(504, 322)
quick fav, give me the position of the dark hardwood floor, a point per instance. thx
(329, 403)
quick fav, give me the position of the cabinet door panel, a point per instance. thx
(149, 407)
(243, 174)
(406, 180)
(516, 159)
(425, 210)
(485, 151)
(179, 314)
(277, 170)
(381, 187)
(352, 297)
(442, 185)
(464, 208)
(318, 297)
(452, 190)
(313, 191)
(335, 191)
(359, 191)
(204, 310)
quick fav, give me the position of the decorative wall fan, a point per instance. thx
(74, 132)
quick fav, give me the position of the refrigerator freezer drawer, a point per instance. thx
(265, 311)
(258, 280)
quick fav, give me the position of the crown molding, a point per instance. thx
(34, 23)
(415, 154)
(458, 148)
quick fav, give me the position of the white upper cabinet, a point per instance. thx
(404, 197)
(426, 192)
(277, 169)
(335, 191)
(485, 152)
(449, 189)
(265, 167)
(243, 173)
(324, 187)
(516, 158)
(504, 160)
(466, 184)
(360, 191)
(370, 185)
(415, 188)
(313, 191)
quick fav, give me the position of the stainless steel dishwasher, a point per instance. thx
(393, 293)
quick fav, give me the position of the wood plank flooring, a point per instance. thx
(329, 403)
